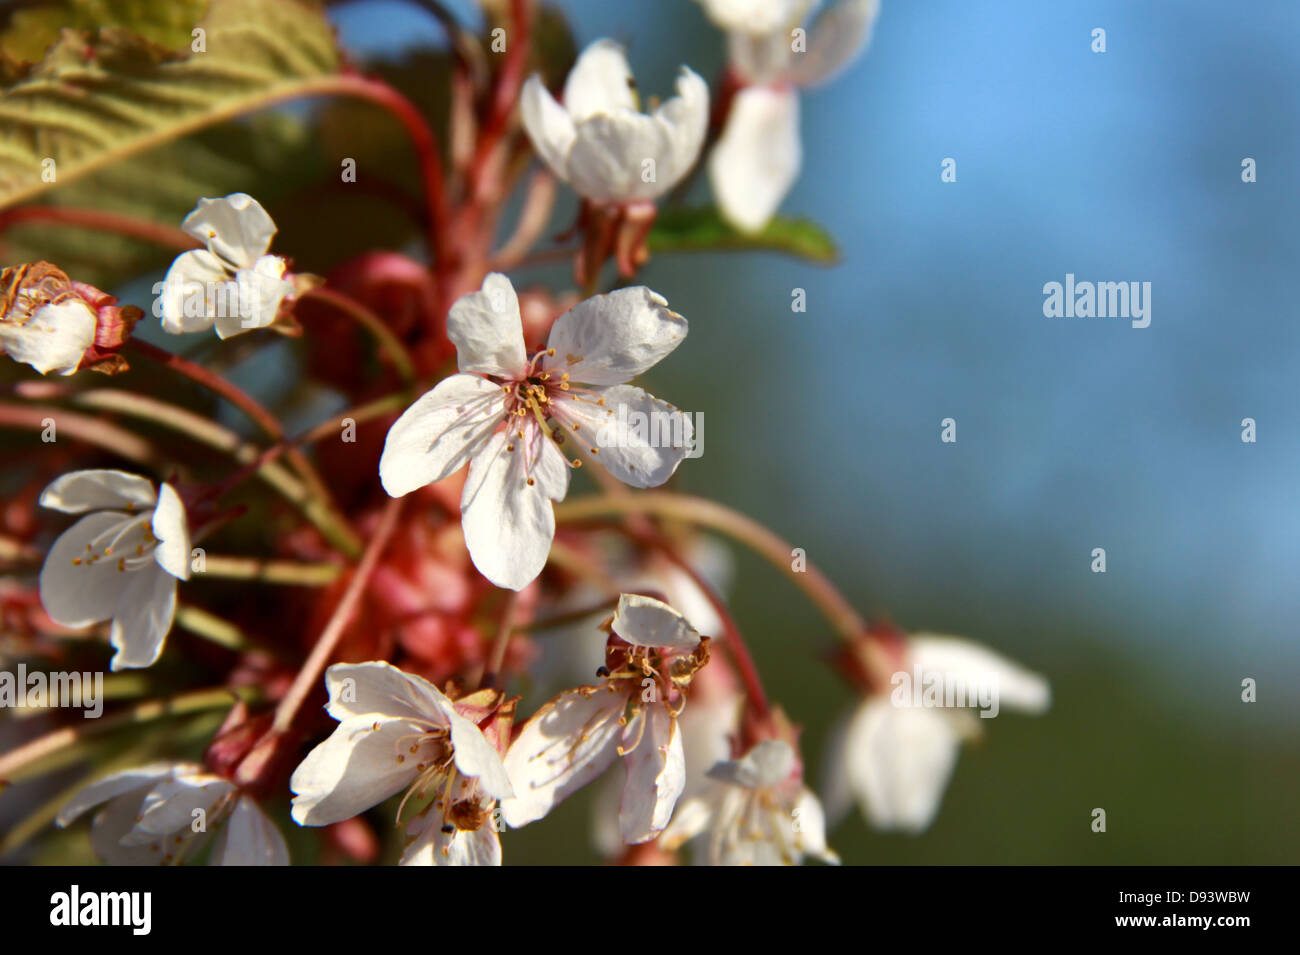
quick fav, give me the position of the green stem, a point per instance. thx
(270, 571)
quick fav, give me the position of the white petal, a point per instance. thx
(143, 617)
(359, 689)
(508, 523)
(639, 438)
(114, 823)
(837, 787)
(253, 298)
(95, 490)
(53, 339)
(236, 228)
(173, 533)
(112, 786)
(647, 622)
(599, 82)
(811, 835)
(757, 159)
(568, 743)
(756, 16)
(691, 817)
(355, 768)
(438, 435)
(610, 339)
(685, 117)
(622, 157)
(978, 667)
(900, 760)
(189, 283)
(249, 838)
(768, 763)
(434, 847)
(477, 758)
(487, 330)
(761, 59)
(656, 774)
(77, 595)
(548, 124)
(169, 807)
(837, 37)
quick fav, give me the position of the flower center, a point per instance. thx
(130, 542)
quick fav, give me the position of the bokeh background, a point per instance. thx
(1072, 433)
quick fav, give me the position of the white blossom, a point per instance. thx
(505, 415)
(232, 285)
(162, 813)
(757, 812)
(399, 732)
(631, 714)
(895, 758)
(599, 141)
(759, 154)
(120, 562)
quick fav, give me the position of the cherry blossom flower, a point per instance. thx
(120, 562)
(399, 732)
(652, 656)
(60, 326)
(232, 284)
(506, 414)
(759, 154)
(758, 812)
(894, 757)
(162, 813)
(599, 141)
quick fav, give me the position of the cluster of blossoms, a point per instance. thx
(425, 575)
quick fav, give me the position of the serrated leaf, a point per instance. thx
(93, 101)
(703, 230)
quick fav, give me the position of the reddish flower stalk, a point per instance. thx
(131, 226)
(309, 676)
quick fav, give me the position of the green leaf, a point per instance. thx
(91, 102)
(271, 156)
(704, 230)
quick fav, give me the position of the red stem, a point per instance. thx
(426, 147)
(735, 642)
(131, 226)
(328, 641)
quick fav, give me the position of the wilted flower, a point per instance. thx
(894, 756)
(233, 284)
(57, 325)
(164, 812)
(504, 412)
(758, 812)
(758, 156)
(653, 654)
(119, 562)
(399, 732)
